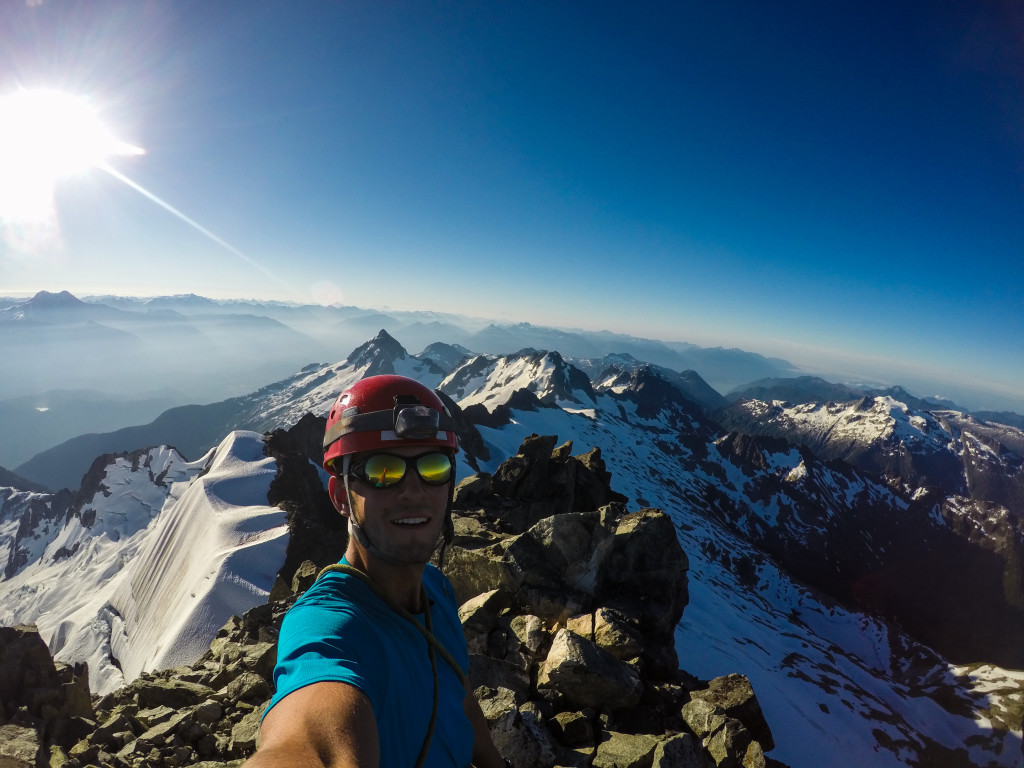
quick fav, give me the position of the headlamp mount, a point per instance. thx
(416, 422)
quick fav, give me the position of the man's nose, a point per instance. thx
(412, 484)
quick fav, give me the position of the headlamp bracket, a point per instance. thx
(416, 422)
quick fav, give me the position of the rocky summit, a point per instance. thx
(568, 600)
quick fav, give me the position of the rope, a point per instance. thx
(433, 644)
(433, 672)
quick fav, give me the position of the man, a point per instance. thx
(372, 662)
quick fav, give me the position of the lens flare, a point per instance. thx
(46, 136)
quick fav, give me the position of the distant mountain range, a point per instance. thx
(92, 360)
(859, 560)
(60, 342)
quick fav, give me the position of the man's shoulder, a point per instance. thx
(331, 608)
(333, 591)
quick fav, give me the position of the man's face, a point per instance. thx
(403, 521)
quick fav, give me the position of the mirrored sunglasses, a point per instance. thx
(386, 470)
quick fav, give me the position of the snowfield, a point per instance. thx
(163, 567)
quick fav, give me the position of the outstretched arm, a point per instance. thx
(324, 725)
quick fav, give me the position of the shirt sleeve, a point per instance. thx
(311, 650)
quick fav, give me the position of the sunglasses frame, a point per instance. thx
(357, 469)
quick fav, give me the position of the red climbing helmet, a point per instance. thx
(381, 412)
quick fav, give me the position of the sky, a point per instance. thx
(841, 185)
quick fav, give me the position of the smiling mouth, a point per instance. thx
(411, 521)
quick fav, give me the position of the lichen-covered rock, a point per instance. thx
(20, 747)
(625, 750)
(245, 735)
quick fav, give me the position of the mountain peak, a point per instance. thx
(380, 354)
(48, 300)
(47, 307)
(445, 356)
(384, 355)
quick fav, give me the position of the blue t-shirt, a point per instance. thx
(340, 631)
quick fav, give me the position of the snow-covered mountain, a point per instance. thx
(815, 389)
(785, 550)
(147, 561)
(618, 372)
(942, 448)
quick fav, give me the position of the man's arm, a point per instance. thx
(324, 725)
(485, 754)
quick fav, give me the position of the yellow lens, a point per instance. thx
(434, 468)
(383, 469)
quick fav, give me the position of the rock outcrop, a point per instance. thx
(42, 703)
(568, 602)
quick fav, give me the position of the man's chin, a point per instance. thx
(418, 553)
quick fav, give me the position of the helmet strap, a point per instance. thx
(448, 531)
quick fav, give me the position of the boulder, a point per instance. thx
(520, 735)
(702, 718)
(731, 746)
(245, 735)
(525, 476)
(567, 549)
(625, 750)
(531, 634)
(475, 571)
(647, 565)
(173, 693)
(479, 615)
(20, 747)
(473, 489)
(53, 698)
(681, 751)
(613, 632)
(573, 729)
(581, 674)
(733, 696)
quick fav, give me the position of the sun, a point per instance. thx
(46, 136)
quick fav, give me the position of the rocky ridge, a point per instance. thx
(569, 602)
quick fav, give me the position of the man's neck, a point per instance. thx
(401, 582)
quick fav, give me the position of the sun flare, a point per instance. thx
(46, 136)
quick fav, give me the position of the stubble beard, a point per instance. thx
(414, 552)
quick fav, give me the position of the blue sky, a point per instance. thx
(837, 184)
